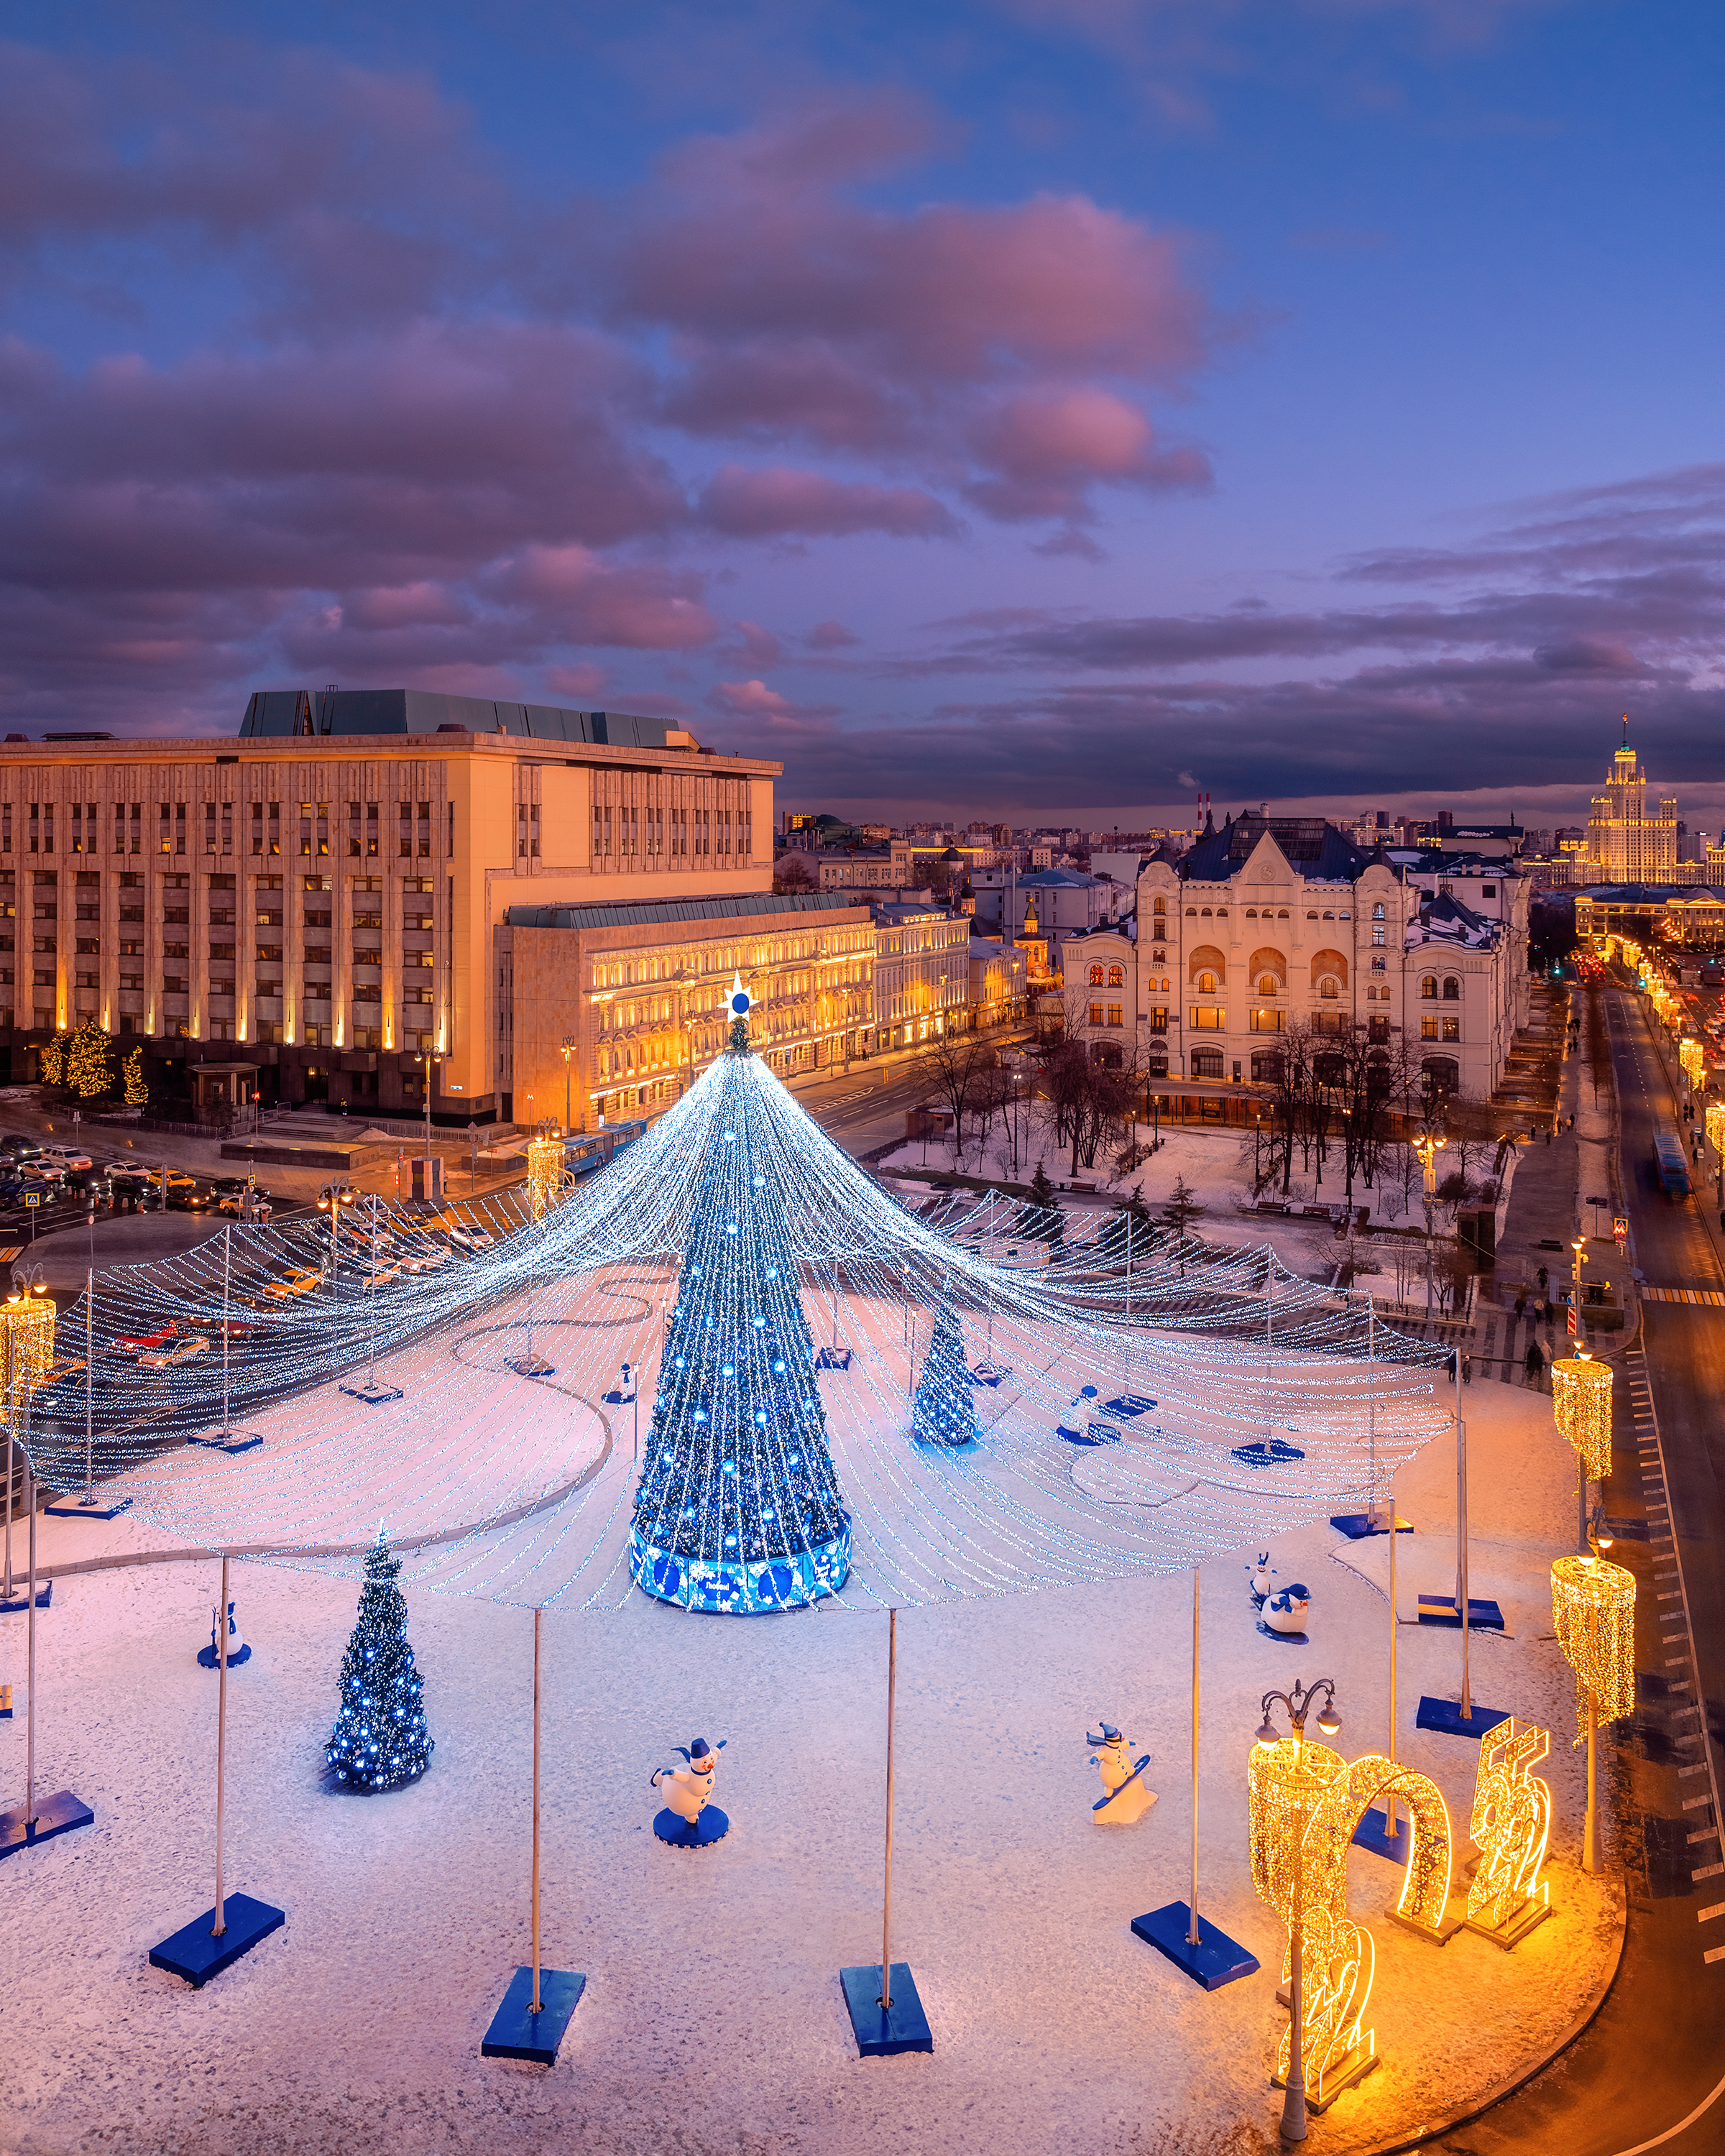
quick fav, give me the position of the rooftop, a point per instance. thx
(284, 713)
(745, 906)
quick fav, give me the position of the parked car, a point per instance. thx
(468, 1238)
(300, 1283)
(233, 1201)
(164, 1359)
(19, 1147)
(135, 1343)
(186, 1197)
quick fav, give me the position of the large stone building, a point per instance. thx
(322, 897)
(1274, 919)
(1625, 844)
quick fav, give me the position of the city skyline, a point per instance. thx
(1014, 410)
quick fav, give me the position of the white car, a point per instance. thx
(67, 1157)
(471, 1239)
(183, 1351)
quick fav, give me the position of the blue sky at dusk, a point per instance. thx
(1047, 408)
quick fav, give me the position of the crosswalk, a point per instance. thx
(1711, 1297)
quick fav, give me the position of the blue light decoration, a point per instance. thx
(380, 1740)
(944, 1409)
(737, 1510)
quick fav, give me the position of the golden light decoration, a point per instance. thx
(26, 1351)
(1593, 1610)
(1301, 1791)
(1716, 1125)
(1581, 1407)
(1510, 1825)
(545, 1175)
(1693, 1058)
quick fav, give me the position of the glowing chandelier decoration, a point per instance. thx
(1581, 1408)
(1592, 1608)
(26, 1352)
(1693, 1058)
(1211, 1428)
(545, 1175)
(1716, 1125)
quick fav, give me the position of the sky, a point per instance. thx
(1044, 409)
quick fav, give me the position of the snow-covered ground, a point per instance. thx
(713, 2019)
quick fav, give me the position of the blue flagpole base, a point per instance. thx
(75, 1509)
(517, 2032)
(59, 1814)
(1215, 1961)
(1440, 1609)
(230, 1441)
(373, 1391)
(21, 1599)
(1371, 1833)
(1358, 1526)
(195, 1953)
(1445, 1715)
(883, 2032)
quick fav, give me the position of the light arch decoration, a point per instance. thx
(1301, 1793)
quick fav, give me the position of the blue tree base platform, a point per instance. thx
(74, 1508)
(712, 1825)
(1358, 1526)
(230, 1441)
(373, 1391)
(195, 1953)
(517, 2032)
(1440, 1609)
(1215, 1961)
(59, 1814)
(1444, 1716)
(21, 1598)
(883, 2032)
(1372, 1834)
(210, 1660)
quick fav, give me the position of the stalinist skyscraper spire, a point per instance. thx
(1625, 844)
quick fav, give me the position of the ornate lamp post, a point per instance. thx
(330, 1200)
(1298, 1703)
(568, 1052)
(1429, 1147)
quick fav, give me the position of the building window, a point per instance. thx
(1207, 1018)
(1269, 985)
(1158, 1019)
(1428, 987)
(1116, 976)
(1116, 1014)
(1452, 1029)
(1378, 1029)
(1266, 1021)
(1427, 1028)
(1377, 938)
(1096, 977)
(1095, 1014)
(1488, 890)
(1329, 989)
(1206, 1062)
(1452, 989)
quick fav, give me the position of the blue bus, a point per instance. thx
(583, 1155)
(1669, 1164)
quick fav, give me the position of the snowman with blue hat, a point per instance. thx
(1126, 1795)
(690, 1819)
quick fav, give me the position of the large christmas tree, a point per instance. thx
(738, 1507)
(944, 1409)
(379, 1741)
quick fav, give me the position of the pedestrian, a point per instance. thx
(1521, 1293)
(1534, 1364)
(1467, 1369)
(1548, 1137)
(1544, 1280)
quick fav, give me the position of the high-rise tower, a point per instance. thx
(1626, 844)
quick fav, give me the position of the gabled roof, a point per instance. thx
(1445, 919)
(1311, 845)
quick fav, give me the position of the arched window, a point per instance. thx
(1267, 1068)
(1281, 913)
(1252, 914)
(1095, 982)
(1428, 987)
(1328, 965)
(1116, 976)
(1206, 984)
(1329, 987)
(1207, 959)
(1160, 906)
(1440, 1074)
(1267, 960)
(1270, 984)
(1192, 913)
(1205, 910)
(1378, 911)
(1452, 989)
(1206, 1062)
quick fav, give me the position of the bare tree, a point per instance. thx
(958, 1062)
(791, 872)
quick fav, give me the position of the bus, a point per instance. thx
(1670, 1165)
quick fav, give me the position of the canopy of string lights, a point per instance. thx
(834, 1396)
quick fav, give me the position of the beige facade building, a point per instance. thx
(1624, 842)
(1272, 920)
(322, 897)
(921, 972)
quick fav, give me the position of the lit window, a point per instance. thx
(1428, 987)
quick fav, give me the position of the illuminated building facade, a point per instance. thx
(1625, 844)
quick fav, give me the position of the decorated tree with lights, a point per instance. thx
(944, 1409)
(89, 1070)
(739, 1507)
(380, 1741)
(53, 1060)
(137, 1093)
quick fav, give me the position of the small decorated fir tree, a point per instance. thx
(137, 1093)
(88, 1069)
(380, 1741)
(944, 1410)
(53, 1060)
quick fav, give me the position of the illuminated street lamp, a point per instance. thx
(1298, 1704)
(569, 1052)
(330, 1200)
(1429, 1147)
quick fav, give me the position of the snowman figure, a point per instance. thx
(690, 1819)
(1259, 1578)
(1126, 1796)
(238, 1650)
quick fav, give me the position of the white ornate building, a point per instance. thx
(1268, 919)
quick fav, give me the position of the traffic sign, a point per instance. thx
(1620, 1227)
(33, 1197)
